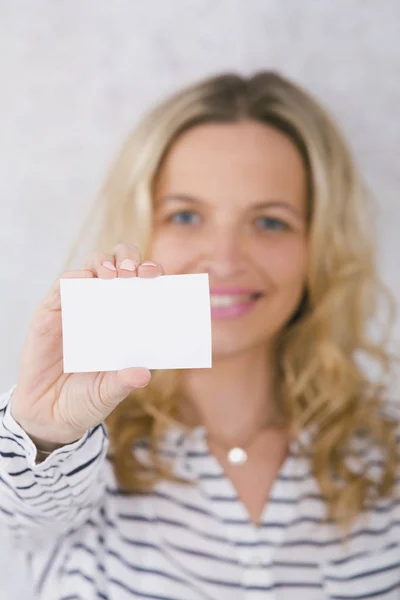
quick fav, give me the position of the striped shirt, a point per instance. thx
(84, 539)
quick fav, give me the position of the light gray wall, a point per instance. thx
(76, 74)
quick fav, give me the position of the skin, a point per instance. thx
(230, 201)
(227, 171)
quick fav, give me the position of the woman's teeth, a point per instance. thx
(226, 300)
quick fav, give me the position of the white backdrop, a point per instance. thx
(77, 74)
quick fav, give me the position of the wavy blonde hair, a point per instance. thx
(324, 348)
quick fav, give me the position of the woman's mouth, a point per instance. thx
(228, 305)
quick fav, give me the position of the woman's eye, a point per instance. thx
(271, 223)
(184, 217)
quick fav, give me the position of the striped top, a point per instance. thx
(84, 539)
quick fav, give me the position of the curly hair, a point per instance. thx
(323, 351)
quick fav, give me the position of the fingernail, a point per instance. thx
(127, 265)
(139, 387)
(108, 265)
(149, 263)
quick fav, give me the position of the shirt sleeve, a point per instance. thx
(48, 498)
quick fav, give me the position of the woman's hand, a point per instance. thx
(56, 408)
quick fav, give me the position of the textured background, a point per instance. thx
(77, 74)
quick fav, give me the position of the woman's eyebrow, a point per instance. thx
(182, 197)
(277, 203)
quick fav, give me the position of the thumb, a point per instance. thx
(116, 385)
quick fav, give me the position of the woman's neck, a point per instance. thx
(234, 399)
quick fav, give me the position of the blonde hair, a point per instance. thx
(324, 384)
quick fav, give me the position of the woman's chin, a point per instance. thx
(225, 346)
(231, 341)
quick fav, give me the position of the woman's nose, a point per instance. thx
(226, 255)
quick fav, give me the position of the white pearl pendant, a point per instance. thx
(237, 456)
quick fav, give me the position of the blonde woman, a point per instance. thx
(271, 475)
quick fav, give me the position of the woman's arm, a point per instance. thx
(41, 499)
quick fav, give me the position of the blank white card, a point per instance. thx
(160, 323)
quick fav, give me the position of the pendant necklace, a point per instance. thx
(237, 455)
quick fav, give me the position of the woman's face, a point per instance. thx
(230, 201)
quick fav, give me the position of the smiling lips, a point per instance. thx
(228, 303)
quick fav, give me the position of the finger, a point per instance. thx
(127, 260)
(52, 300)
(78, 274)
(116, 385)
(150, 269)
(136, 377)
(102, 265)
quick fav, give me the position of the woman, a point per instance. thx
(271, 475)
